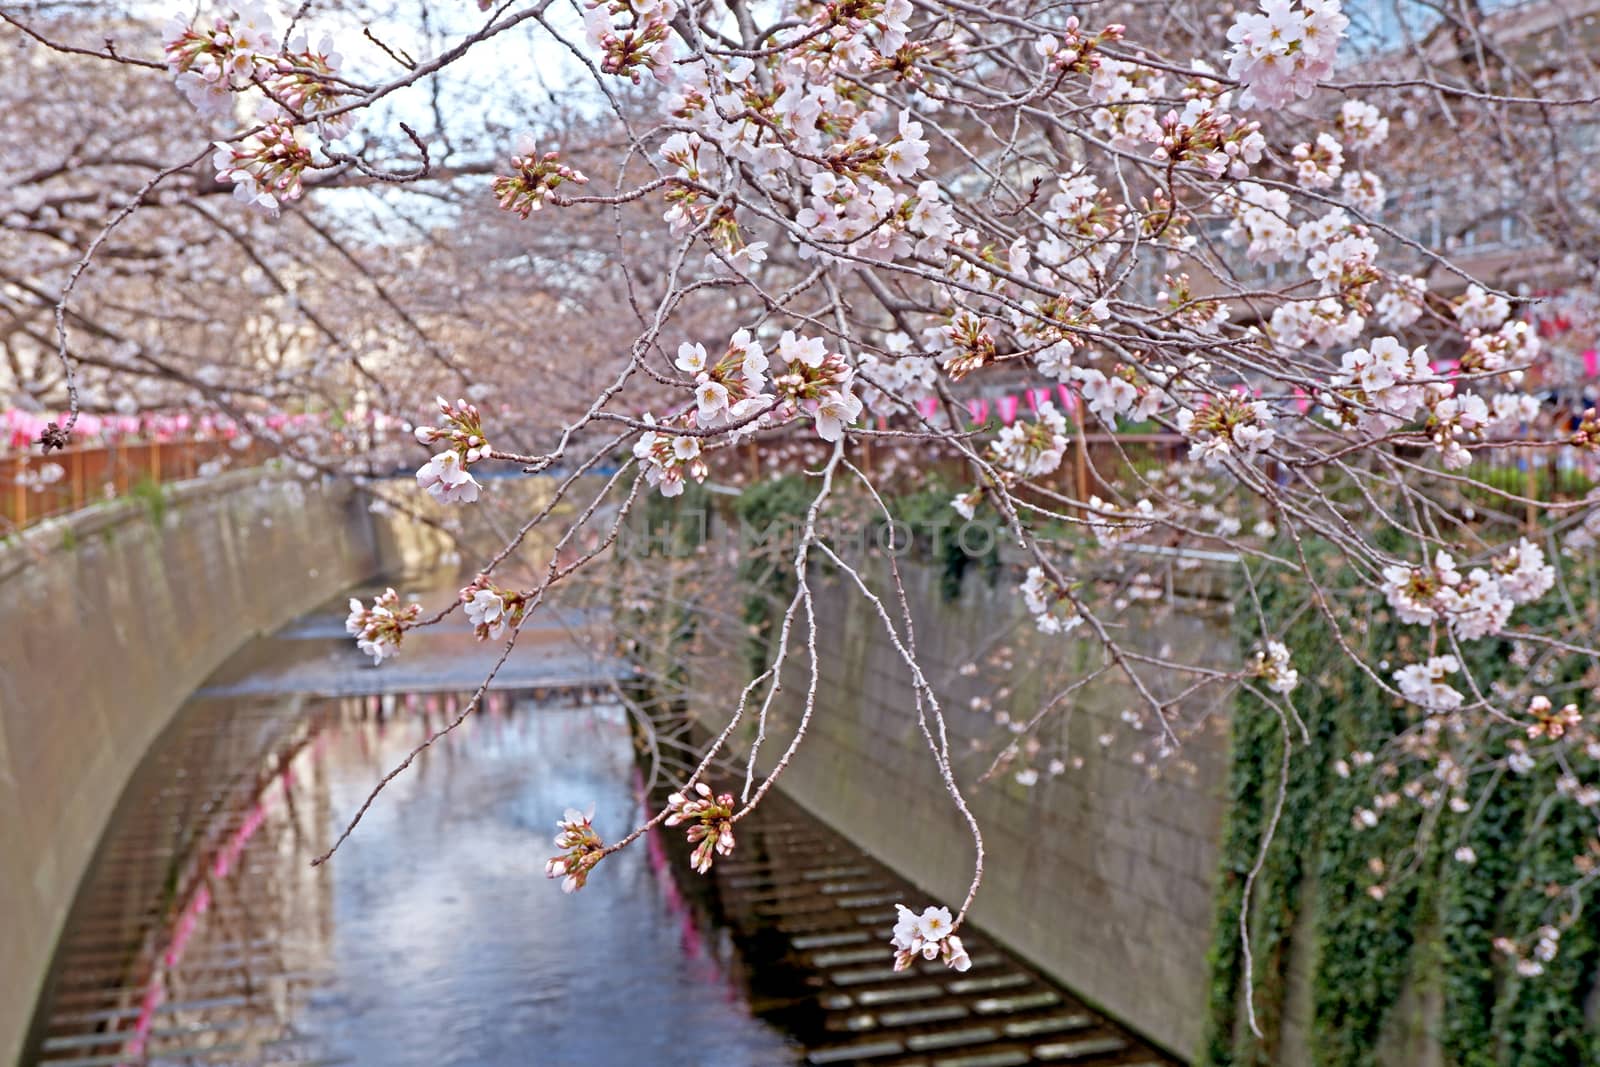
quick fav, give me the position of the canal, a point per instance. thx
(203, 935)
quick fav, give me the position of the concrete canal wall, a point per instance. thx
(109, 619)
(112, 616)
(1102, 876)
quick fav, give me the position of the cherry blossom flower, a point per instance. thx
(666, 463)
(379, 629)
(1318, 164)
(1479, 309)
(930, 935)
(691, 358)
(486, 608)
(1423, 684)
(447, 479)
(1260, 220)
(1413, 591)
(211, 61)
(1477, 606)
(1052, 609)
(1363, 190)
(835, 411)
(1107, 397)
(445, 476)
(1282, 52)
(818, 383)
(1272, 666)
(1454, 419)
(491, 609)
(1523, 573)
(1032, 449)
(1379, 388)
(1402, 305)
(1362, 125)
(908, 153)
(711, 399)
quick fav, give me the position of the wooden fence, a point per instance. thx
(35, 487)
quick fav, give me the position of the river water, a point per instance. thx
(203, 935)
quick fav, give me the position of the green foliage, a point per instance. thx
(671, 527)
(1366, 924)
(149, 493)
(770, 516)
(942, 534)
(1542, 482)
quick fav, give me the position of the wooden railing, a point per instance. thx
(35, 487)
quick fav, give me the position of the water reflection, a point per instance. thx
(433, 937)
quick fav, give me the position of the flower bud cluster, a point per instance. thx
(1226, 425)
(213, 61)
(581, 849)
(1032, 449)
(1075, 52)
(230, 53)
(379, 629)
(535, 176)
(711, 817)
(445, 476)
(669, 458)
(818, 383)
(490, 609)
(303, 80)
(644, 43)
(1530, 963)
(265, 168)
(1549, 722)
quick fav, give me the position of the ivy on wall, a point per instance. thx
(770, 515)
(1327, 887)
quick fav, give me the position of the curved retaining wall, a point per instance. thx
(109, 619)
